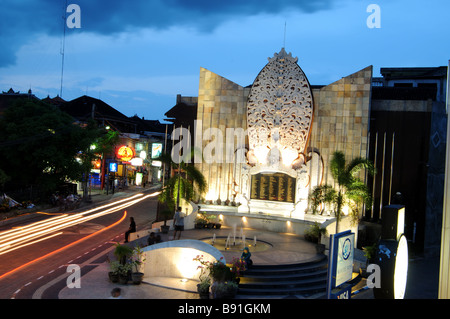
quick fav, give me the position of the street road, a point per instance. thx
(35, 256)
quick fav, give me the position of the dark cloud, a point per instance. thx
(20, 21)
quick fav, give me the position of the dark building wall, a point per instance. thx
(418, 168)
(409, 167)
(435, 179)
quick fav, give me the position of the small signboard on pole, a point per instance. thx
(340, 265)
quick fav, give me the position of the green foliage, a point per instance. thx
(114, 267)
(315, 232)
(322, 194)
(219, 271)
(187, 180)
(201, 218)
(124, 269)
(224, 290)
(122, 252)
(40, 145)
(351, 189)
(369, 252)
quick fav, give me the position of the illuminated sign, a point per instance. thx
(340, 264)
(401, 268)
(125, 153)
(344, 266)
(137, 161)
(97, 164)
(156, 150)
(143, 154)
(392, 257)
(113, 167)
(157, 163)
(392, 254)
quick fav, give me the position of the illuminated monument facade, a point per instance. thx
(278, 136)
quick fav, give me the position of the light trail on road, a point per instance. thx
(35, 232)
(62, 248)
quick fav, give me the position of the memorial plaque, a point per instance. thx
(282, 189)
(264, 187)
(256, 182)
(290, 190)
(273, 187)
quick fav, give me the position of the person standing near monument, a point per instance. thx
(178, 222)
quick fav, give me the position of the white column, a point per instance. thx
(444, 269)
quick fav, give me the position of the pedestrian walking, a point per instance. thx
(178, 222)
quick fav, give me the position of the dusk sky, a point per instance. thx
(138, 55)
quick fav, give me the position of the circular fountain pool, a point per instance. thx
(238, 244)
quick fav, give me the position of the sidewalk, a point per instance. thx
(286, 249)
(423, 274)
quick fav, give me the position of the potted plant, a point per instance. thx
(166, 214)
(137, 259)
(220, 271)
(237, 266)
(122, 252)
(201, 220)
(314, 234)
(205, 281)
(114, 271)
(219, 222)
(211, 221)
(369, 253)
(124, 273)
(224, 289)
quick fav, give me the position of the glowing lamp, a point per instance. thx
(392, 257)
(210, 195)
(143, 154)
(288, 156)
(261, 153)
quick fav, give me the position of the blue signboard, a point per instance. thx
(340, 262)
(113, 167)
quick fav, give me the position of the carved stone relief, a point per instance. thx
(279, 112)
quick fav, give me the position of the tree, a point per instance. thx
(350, 186)
(351, 190)
(185, 182)
(40, 145)
(98, 142)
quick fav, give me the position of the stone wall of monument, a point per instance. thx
(341, 118)
(222, 104)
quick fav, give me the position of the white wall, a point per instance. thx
(175, 258)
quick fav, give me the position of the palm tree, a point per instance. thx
(186, 181)
(351, 189)
(350, 186)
